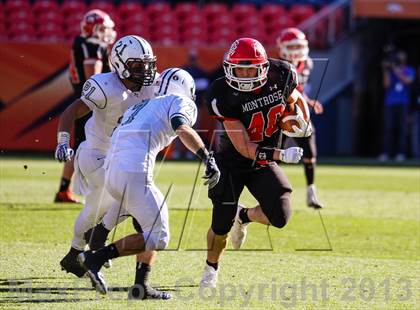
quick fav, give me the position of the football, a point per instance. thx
(291, 110)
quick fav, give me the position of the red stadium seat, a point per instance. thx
(20, 28)
(242, 11)
(155, 10)
(41, 6)
(18, 16)
(24, 37)
(126, 9)
(194, 35)
(16, 5)
(54, 17)
(271, 11)
(185, 9)
(278, 24)
(106, 6)
(223, 20)
(70, 7)
(301, 12)
(256, 32)
(51, 29)
(212, 10)
(197, 19)
(166, 19)
(222, 36)
(136, 29)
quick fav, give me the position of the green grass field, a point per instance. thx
(371, 218)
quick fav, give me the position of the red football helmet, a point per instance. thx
(246, 53)
(292, 45)
(97, 24)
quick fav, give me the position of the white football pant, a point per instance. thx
(142, 200)
(89, 182)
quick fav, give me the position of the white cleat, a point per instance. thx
(209, 278)
(108, 264)
(239, 231)
(312, 200)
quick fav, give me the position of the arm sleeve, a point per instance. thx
(291, 81)
(93, 95)
(218, 106)
(184, 108)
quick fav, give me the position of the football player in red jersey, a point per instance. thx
(89, 56)
(250, 101)
(293, 47)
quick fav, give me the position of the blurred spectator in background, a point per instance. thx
(89, 56)
(201, 79)
(415, 117)
(397, 78)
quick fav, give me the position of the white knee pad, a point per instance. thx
(156, 240)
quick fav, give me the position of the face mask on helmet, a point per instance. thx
(175, 81)
(142, 71)
(246, 54)
(132, 58)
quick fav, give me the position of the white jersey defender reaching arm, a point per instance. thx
(147, 128)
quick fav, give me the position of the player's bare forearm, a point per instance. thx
(240, 140)
(190, 138)
(74, 111)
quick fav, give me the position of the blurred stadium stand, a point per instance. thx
(164, 22)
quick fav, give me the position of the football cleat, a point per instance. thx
(312, 199)
(65, 197)
(239, 231)
(92, 267)
(141, 292)
(70, 264)
(209, 278)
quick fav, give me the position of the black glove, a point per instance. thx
(212, 174)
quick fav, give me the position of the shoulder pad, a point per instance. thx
(93, 93)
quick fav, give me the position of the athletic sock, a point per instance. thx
(74, 252)
(243, 215)
(64, 184)
(106, 253)
(309, 173)
(214, 265)
(142, 273)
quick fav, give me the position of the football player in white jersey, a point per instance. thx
(108, 95)
(145, 129)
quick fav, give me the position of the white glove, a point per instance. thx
(63, 151)
(292, 155)
(304, 129)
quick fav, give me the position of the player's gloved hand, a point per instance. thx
(63, 151)
(212, 174)
(303, 130)
(292, 155)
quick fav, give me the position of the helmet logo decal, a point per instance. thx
(232, 49)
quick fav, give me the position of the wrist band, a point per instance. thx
(63, 137)
(202, 153)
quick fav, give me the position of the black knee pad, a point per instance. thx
(223, 217)
(281, 212)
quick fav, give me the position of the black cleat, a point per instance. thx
(92, 267)
(141, 292)
(69, 263)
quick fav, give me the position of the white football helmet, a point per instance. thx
(175, 81)
(133, 59)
